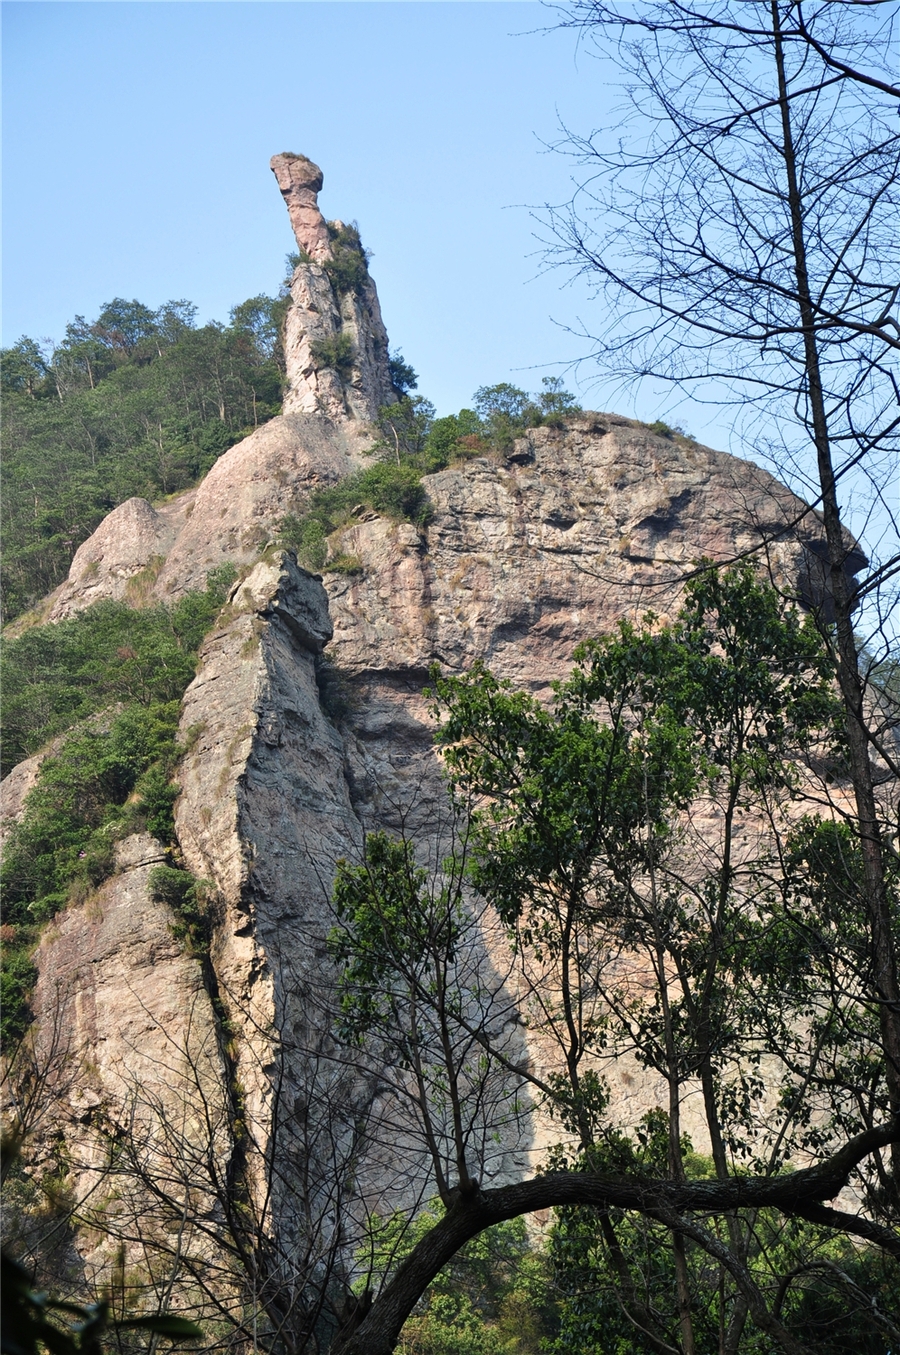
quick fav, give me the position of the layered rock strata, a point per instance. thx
(300, 182)
(306, 723)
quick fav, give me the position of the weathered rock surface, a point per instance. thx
(306, 723)
(122, 1013)
(15, 787)
(300, 182)
(525, 556)
(320, 315)
(123, 557)
(238, 506)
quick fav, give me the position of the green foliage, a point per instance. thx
(292, 261)
(54, 676)
(117, 675)
(260, 321)
(34, 1322)
(17, 979)
(347, 268)
(667, 430)
(493, 1298)
(555, 402)
(101, 784)
(505, 410)
(391, 490)
(838, 1295)
(137, 402)
(412, 442)
(403, 378)
(404, 428)
(409, 430)
(502, 401)
(606, 830)
(184, 894)
(387, 924)
(336, 351)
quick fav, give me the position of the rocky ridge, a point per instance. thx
(306, 722)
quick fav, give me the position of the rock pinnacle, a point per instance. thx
(300, 182)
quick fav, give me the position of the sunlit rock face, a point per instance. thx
(142, 552)
(323, 315)
(300, 182)
(306, 724)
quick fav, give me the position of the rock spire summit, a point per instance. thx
(335, 343)
(300, 182)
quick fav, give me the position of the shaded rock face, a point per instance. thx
(306, 723)
(300, 182)
(124, 1023)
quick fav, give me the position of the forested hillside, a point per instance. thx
(137, 401)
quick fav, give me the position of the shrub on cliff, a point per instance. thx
(391, 490)
(347, 268)
(336, 351)
(112, 774)
(135, 402)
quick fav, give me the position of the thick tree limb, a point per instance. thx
(472, 1213)
(885, 1238)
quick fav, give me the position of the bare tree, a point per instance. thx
(743, 240)
(668, 848)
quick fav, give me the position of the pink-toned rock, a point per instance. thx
(240, 504)
(123, 557)
(300, 182)
(15, 787)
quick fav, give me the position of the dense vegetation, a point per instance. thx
(137, 401)
(413, 442)
(673, 887)
(496, 1297)
(113, 677)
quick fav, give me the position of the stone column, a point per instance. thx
(300, 182)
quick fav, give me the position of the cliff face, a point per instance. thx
(306, 722)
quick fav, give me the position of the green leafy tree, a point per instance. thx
(740, 230)
(403, 378)
(494, 1298)
(136, 402)
(653, 844)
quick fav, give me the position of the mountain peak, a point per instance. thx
(300, 182)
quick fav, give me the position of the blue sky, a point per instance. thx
(137, 139)
(136, 145)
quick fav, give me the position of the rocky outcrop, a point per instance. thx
(306, 724)
(238, 507)
(320, 319)
(335, 343)
(123, 1018)
(526, 555)
(15, 787)
(123, 558)
(142, 553)
(300, 182)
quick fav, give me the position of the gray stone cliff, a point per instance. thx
(306, 722)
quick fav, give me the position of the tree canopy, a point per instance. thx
(135, 402)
